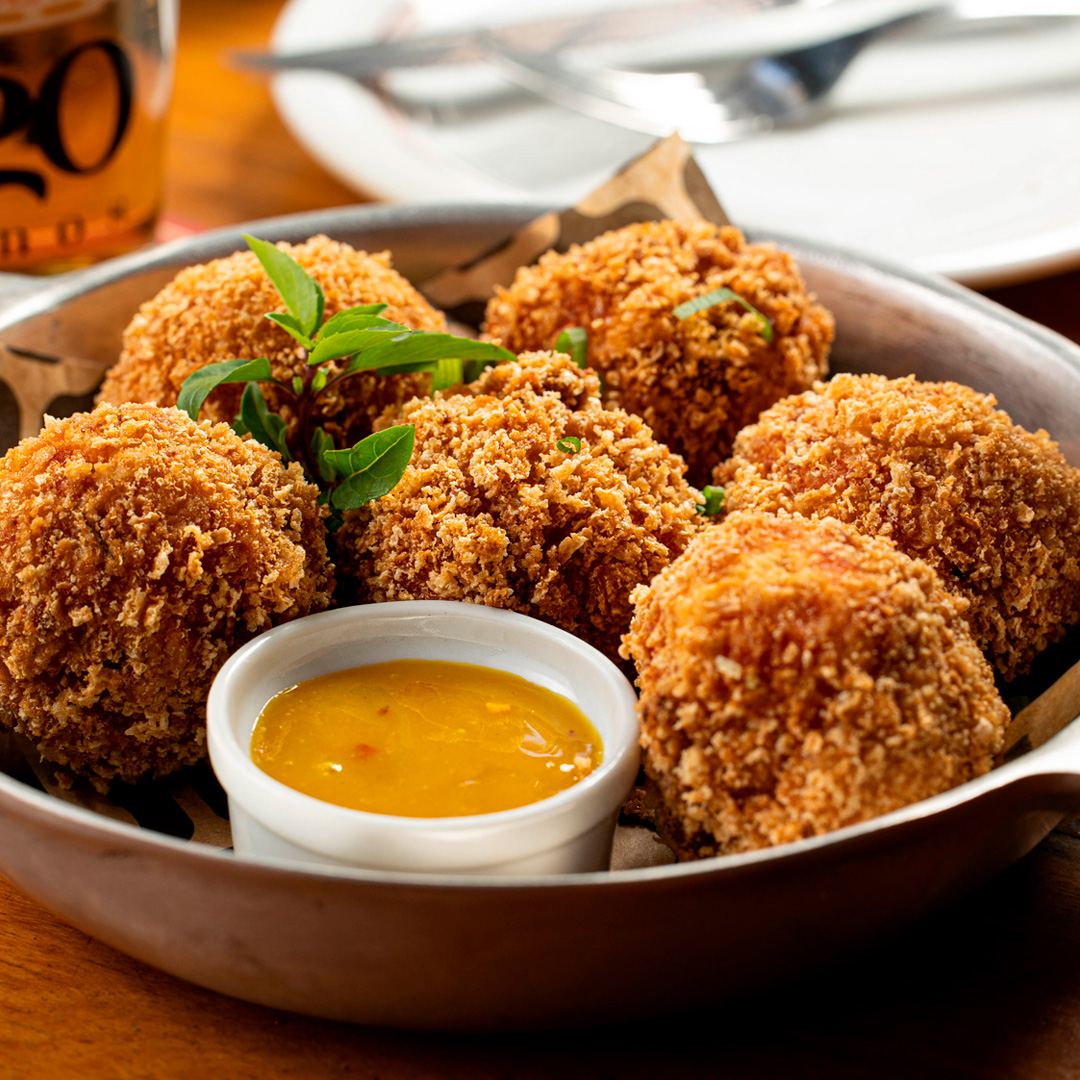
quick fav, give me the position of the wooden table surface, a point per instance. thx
(990, 988)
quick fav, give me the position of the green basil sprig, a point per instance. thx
(362, 339)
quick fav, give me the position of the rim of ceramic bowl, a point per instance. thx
(279, 807)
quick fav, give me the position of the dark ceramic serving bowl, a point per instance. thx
(442, 952)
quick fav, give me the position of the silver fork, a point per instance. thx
(753, 97)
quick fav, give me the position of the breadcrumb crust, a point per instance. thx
(137, 551)
(491, 511)
(944, 475)
(797, 677)
(216, 311)
(697, 381)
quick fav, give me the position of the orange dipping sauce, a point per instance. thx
(424, 738)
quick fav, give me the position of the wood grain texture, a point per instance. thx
(1054, 302)
(229, 157)
(987, 990)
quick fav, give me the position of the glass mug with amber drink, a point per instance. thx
(84, 92)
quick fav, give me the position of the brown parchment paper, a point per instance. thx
(665, 182)
(189, 805)
(1045, 716)
(37, 384)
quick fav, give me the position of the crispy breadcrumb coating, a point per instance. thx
(994, 509)
(797, 677)
(491, 511)
(137, 551)
(215, 312)
(697, 381)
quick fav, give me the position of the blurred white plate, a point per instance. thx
(958, 156)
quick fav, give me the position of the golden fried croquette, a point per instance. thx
(215, 312)
(137, 551)
(493, 511)
(695, 382)
(994, 509)
(797, 677)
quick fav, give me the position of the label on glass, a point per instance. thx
(81, 129)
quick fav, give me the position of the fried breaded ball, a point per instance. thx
(994, 509)
(215, 312)
(137, 551)
(492, 510)
(797, 677)
(695, 381)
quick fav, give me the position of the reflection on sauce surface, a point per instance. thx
(424, 738)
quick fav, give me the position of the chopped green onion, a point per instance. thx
(569, 444)
(574, 341)
(714, 500)
(448, 371)
(720, 296)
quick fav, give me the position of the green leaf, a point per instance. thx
(375, 465)
(574, 341)
(319, 382)
(569, 444)
(447, 372)
(714, 500)
(321, 445)
(198, 385)
(473, 369)
(267, 427)
(720, 296)
(390, 348)
(301, 293)
(333, 520)
(394, 353)
(344, 320)
(405, 369)
(297, 385)
(337, 346)
(292, 325)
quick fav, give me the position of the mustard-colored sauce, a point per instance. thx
(424, 738)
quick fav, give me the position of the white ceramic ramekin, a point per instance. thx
(568, 832)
